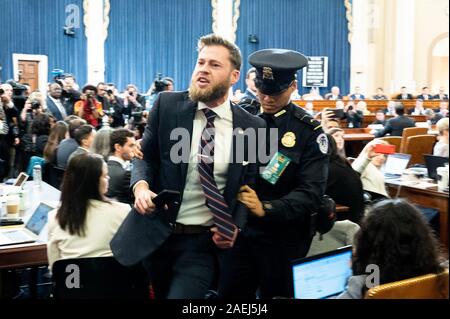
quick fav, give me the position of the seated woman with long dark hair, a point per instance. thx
(394, 236)
(344, 185)
(86, 221)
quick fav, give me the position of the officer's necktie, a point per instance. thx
(214, 200)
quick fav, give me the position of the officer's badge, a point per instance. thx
(288, 139)
(322, 140)
(267, 73)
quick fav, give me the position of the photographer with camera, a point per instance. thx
(70, 89)
(9, 130)
(159, 85)
(112, 104)
(88, 108)
(134, 106)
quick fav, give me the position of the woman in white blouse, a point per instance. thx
(441, 147)
(86, 221)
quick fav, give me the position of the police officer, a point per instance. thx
(288, 191)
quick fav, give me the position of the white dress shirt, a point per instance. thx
(193, 210)
(125, 164)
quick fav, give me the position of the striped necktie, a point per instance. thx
(214, 200)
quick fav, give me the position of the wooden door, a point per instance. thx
(29, 73)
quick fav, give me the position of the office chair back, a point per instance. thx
(430, 286)
(98, 278)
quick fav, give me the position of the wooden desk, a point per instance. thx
(430, 197)
(355, 139)
(372, 105)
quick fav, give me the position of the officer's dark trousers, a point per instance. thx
(259, 263)
(184, 267)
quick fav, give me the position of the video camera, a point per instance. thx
(58, 75)
(160, 84)
(18, 97)
(137, 115)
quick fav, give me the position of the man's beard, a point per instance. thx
(209, 94)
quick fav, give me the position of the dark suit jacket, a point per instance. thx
(422, 97)
(395, 126)
(55, 111)
(443, 97)
(65, 148)
(119, 182)
(409, 97)
(140, 235)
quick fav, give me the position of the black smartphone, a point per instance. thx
(337, 113)
(166, 197)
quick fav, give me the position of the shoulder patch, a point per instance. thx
(307, 119)
(322, 141)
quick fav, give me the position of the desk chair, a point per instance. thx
(411, 131)
(99, 278)
(54, 175)
(417, 146)
(431, 286)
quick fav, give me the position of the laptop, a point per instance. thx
(322, 276)
(395, 165)
(30, 233)
(432, 162)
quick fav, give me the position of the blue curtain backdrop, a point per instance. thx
(36, 27)
(313, 27)
(147, 37)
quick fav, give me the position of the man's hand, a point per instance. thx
(143, 199)
(221, 241)
(250, 199)
(137, 150)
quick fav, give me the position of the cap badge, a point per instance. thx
(267, 73)
(288, 139)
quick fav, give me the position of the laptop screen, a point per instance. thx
(396, 163)
(433, 162)
(39, 218)
(323, 275)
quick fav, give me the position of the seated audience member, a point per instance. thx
(390, 108)
(395, 126)
(86, 221)
(84, 136)
(357, 95)
(396, 237)
(88, 108)
(441, 147)
(353, 116)
(432, 117)
(443, 108)
(418, 109)
(380, 118)
(122, 147)
(59, 132)
(368, 164)
(314, 94)
(380, 95)
(334, 94)
(362, 106)
(68, 145)
(40, 130)
(309, 107)
(441, 95)
(101, 143)
(344, 185)
(404, 95)
(425, 95)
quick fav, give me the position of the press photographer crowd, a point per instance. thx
(33, 124)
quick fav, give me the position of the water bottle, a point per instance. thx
(37, 175)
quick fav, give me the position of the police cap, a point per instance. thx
(276, 69)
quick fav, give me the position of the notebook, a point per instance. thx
(432, 162)
(31, 231)
(322, 276)
(395, 165)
